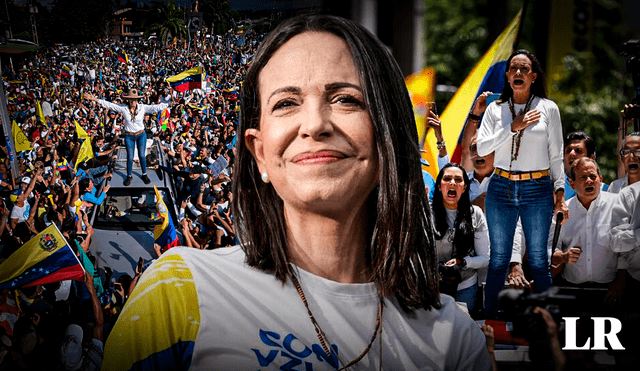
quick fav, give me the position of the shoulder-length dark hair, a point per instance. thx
(463, 240)
(538, 88)
(401, 252)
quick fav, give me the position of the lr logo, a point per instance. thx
(599, 334)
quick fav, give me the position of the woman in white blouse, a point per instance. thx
(462, 237)
(134, 133)
(523, 128)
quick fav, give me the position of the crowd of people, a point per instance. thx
(54, 100)
(494, 215)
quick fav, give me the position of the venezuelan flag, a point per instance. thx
(187, 80)
(487, 75)
(122, 57)
(165, 233)
(231, 94)
(65, 70)
(45, 258)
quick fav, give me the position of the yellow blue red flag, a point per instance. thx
(487, 75)
(187, 80)
(164, 234)
(123, 57)
(45, 258)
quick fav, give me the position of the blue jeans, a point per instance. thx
(468, 296)
(507, 200)
(130, 142)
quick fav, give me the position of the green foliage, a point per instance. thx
(166, 21)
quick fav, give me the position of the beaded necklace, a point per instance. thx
(323, 338)
(515, 139)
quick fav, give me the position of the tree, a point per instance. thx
(215, 13)
(167, 21)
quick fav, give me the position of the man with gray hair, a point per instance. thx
(589, 258)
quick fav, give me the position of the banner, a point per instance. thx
(45, 258)
(21, 141)
(187, 80)
(487, 75)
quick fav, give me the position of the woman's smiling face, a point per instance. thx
(315, 138)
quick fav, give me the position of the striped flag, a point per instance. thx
(66, 70)
(164, 234)
(122, 57)
(45, 258)
(231, 93)
(487, 75)
(187, 80)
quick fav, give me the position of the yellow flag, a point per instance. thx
(40, 113)
(85, 153)
(81, 133)
(21, 141)
(422, 90)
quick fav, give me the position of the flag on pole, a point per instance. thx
(122, 57)
(21, 141)
(422, 90)
(40, 113)
(85, 153)
(45, 258)
(81, 133)
(187, 80)
(164, 234)
(487, 75)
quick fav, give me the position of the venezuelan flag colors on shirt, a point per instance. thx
(43, 259)
(165, 233)
(487, 75)
(187, 80)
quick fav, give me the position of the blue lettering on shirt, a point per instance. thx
(293, 353)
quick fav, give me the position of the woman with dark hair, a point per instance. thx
(134, 133)
(524, 130)
(462, 237)
(336, 265)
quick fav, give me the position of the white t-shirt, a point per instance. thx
(21, 213)
(202, 310)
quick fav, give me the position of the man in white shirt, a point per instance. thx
(587, 251)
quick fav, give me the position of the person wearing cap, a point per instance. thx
(22, 210)
(134, 133)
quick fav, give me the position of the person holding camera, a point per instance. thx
(462, 237)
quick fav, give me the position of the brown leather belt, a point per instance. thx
(136, 133)
(521, 175)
